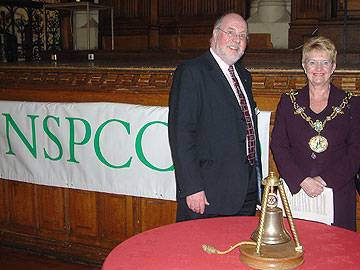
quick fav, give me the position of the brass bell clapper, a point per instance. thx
(271, 246)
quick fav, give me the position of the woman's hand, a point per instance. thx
(313, 186)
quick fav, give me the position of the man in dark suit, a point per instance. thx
(213, 129)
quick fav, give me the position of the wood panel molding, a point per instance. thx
(104, 79)
(148, 80)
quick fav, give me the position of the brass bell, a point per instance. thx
(272, 247)
(274, 231)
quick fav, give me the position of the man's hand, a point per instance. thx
(197, 201)
(313, 186)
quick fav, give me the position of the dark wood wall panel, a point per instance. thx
(161, 24)
(209, 7)
(154, 213)
(167, 8)
(325, 17)
(116, 218)
(191, 8)
(186, 24)
(129, 8)
(311, 8)
(3, 202)
(51, 202)
(22, 208)
(83, 215)
(353, 8)
(137, 22)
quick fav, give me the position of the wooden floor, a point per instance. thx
(12, 259)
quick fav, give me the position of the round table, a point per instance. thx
(178, 246)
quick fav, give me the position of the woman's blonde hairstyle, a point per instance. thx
(319, 43)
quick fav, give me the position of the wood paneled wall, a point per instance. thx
(333, 19)
(309, 9)
(87, 225)
(187, 24)
(169, 8)
(164, 24)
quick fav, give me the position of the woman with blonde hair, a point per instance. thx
(316, 136)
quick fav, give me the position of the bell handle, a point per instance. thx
(262, 218)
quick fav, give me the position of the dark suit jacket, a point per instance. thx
(207, 134)
(337, 165)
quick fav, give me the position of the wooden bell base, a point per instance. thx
(280, 256)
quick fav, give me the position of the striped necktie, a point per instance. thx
(250, 134)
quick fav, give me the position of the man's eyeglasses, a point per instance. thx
(231, 34)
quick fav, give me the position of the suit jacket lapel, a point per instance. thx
(220, 79)
(243, 76)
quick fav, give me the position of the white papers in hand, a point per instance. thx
(320, 208)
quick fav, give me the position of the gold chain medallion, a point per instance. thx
(318, 143)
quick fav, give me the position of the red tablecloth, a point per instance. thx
(178, 246)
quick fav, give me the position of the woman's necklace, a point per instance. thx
(318, 143)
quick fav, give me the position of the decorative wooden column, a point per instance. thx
(154, 25)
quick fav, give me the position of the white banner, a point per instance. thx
(105, 147)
